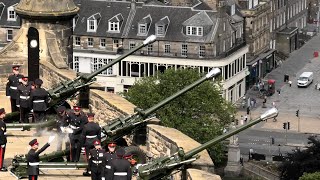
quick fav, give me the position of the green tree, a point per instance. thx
(310, 176)
(200, 113)
(302, 161)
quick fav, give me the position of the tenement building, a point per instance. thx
(201, 36)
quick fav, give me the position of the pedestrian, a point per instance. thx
(241, 160)
(245, 118)
(23, 101)
(91, 132)
(39, 99)
(3, 139)
(273, 104)
(109, 157)
(96, 161)
(76, 123)
(251, 102)
(279, 91)
(264, 102)
(120, 167)
(12, 87)
(33, 157)
(248, 110)
(254, 102)
(290, 83)
(250, 153)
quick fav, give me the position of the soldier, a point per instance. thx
(120, 167)
(23, 101)
(33, 157)
(76, 123)
(39, 98)
(62, 121)
(96, 161)
(109, 156)
(3, 139)
(12, 87)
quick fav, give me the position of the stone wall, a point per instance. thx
(164, 141)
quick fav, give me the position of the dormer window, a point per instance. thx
(194, 31)
(114, 24)
(142, 28)
(144, 25)
(92, 22)
(162, 26)
(12, 16)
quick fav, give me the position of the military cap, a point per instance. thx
(96, 143)
(2, 111)
(16, 67)
(112, 144)
(24, 78)
(90, 114)
(61, 109)
(30, 83)
(120, 152)
(38, 82)
(76, 108)
(33, 142)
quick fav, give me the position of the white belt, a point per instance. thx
(33, 163)
(5, 133)
(108, 167)
(97, 162)
(38, 101)
(12, 87)
(120, 173)
(74, 127)
(24, 97)
(91, 136)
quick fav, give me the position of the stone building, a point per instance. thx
(260, 59)
(188, 37)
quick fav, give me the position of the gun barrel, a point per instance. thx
(149, 40)
(55, 165)
(213, 73)
(269, 114)
(31, 125)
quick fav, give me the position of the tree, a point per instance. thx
(310, 176)
(201, 113)
(302, 161)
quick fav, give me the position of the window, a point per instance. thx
(233, 9)
(167, 49)
(143, 29)
(90, 42)
(11, 14)
(76, 63)
(202, 51)
(224, 46)
(92, 24)
(97, 63)
(116, 43)
(160, 30)
(150, 48)
(103, 43)
(77, 41)
(9, 35)
(195, 31)
(132, 45)
(224, 26)
(114, 26)
(184, 50)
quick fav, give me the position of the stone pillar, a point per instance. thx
(233, 168)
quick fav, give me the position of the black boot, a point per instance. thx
(3, 169)
(86, 173)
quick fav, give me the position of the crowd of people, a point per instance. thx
(29, 97)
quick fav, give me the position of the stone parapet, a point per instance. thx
(196, 174)
(164, 141)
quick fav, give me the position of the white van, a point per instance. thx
(305, 79)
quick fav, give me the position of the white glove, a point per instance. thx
(103, 178)
(18, 105)
(20, 80)
(51, 138)
(3, 145)
(31, 110)
(8, 97)
(66, 130)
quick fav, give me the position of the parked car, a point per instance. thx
(305, 79)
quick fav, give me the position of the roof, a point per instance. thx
(4, 14)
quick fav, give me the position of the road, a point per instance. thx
(290, 99)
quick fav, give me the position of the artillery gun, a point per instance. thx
(164, 166)
(68, 89)
(114, 131)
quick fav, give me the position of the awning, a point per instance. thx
(261, 56)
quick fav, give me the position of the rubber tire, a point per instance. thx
(136, 151)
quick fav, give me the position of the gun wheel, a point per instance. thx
(137, 154)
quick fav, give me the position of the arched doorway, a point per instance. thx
(33, 54)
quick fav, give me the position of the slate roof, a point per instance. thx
(4, 15)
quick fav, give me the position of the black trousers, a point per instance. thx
(96, 175)
(39, 116)
(33, 177)
(24, 115)
(75, 150)
(2, 152)
(14, 107)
